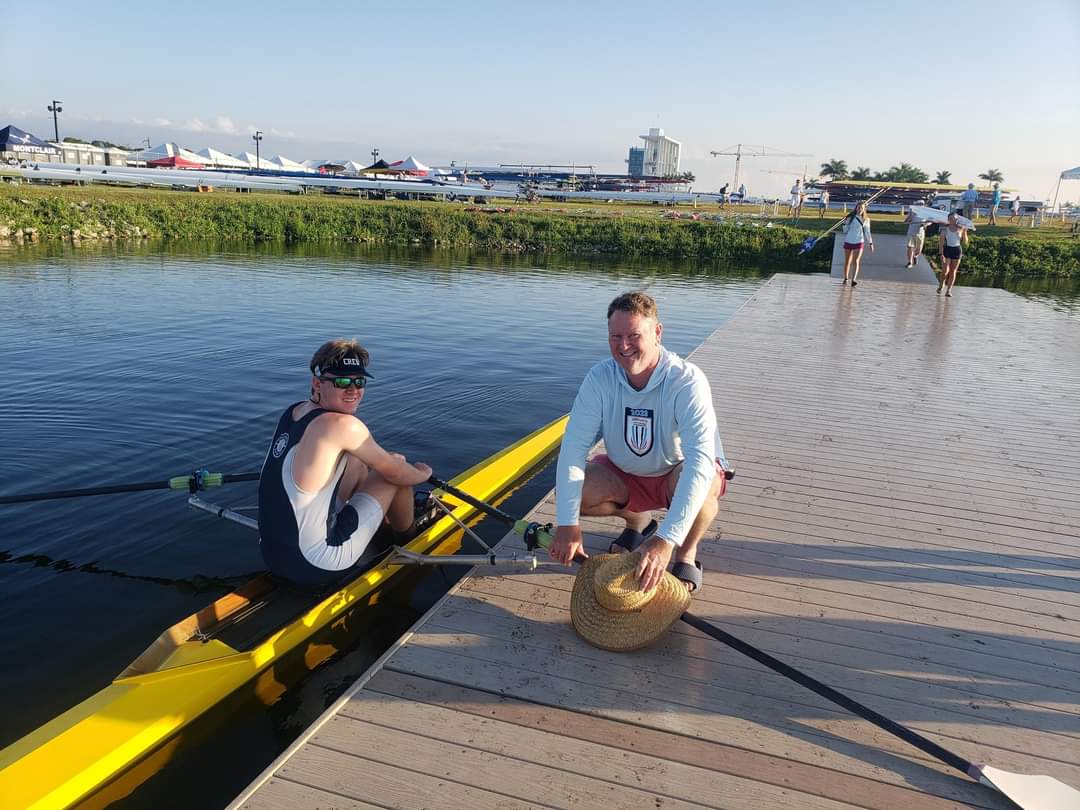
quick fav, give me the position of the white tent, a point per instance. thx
(261, 163)
(351, 166)
(1068, 174)
(411, 165)
(289, 165)
(220, 160)
(164, 151)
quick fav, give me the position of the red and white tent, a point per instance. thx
(411, 165)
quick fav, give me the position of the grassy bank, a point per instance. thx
(85, 214)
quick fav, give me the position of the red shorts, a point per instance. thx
(853, 245)
(648, 492)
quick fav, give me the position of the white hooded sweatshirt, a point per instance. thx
(646, 433)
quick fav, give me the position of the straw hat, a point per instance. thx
(609, 610)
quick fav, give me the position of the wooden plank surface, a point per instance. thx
(887, 262)
(904, 525)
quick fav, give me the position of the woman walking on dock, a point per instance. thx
(950, 252)
(856, 236)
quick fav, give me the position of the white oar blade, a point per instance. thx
(1030, 792)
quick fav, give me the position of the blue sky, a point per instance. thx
(958, 86)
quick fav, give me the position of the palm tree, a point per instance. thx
(836, 169)
(992, 176)
(906, 173)
(943, 178)
(861, 173)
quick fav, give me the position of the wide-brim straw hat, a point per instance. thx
(610, 611)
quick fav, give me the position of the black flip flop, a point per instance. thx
(690, 574)
(631, 540)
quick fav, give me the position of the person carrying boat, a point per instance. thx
(662, 449)
(326, 484)
(856, 229)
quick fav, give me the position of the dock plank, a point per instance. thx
(904, 525)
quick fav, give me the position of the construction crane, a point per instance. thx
(752, 151)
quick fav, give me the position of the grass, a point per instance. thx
(743, 234)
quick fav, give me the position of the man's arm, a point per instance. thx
(354, 438)
(586, 419)
(697, 434)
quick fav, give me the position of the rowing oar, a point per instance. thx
(193, 482)
(1031, 792)
(810, 241)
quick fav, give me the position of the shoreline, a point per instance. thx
(88, 215)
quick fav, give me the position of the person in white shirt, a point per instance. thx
(663, 451)
(796, 198)
(824, 203)
(916, 237)
(1014, 208)
(856, 232)
(953, 237)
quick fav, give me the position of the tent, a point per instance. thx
(289, 165)
(13, 139)
(379, 165)
(174, 162)
(220, 160)
(411, 165)
(169, 155)
(251, 162)
(1068, 174)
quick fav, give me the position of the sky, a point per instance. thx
(959, 86)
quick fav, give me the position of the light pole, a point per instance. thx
(257, 137)
(375, 155)
(54, 108)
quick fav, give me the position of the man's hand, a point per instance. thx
(567, 544)
(655, 556)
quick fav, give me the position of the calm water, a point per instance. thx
(129, 366)
(140, 365)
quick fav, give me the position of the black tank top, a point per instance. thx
(279, 536)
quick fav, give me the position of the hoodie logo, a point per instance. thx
(638, 430)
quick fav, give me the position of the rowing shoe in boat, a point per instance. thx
(203, 659)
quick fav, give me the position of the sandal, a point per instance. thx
(689, 575)
(630, 540)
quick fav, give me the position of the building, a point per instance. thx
(661, 154)
(86, 154)
(635, 163)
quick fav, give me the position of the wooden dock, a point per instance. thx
(904, 526)
(887, 262)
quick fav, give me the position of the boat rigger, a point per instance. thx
(201, 660)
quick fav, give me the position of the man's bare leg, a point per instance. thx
(605, 493)
(396, 501)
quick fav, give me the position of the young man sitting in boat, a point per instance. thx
(655, 413)
(326, 484)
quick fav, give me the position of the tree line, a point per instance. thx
(904, 173)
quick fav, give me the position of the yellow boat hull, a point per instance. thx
(73, 756)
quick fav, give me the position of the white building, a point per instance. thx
(661, 154)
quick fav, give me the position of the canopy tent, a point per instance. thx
(257, 163)
(220, 160)
(289, 165)
(166, 155)
(174, 162)
(411, 165)
(13, 139)
(379, 166)
(1068, 174)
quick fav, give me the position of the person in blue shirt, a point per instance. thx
(968, 200)
(995, 202)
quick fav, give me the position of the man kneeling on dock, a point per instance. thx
(326, 484)
(663, 451)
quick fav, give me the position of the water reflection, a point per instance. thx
(177, 357)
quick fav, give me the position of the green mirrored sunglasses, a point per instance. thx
(345, 382)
